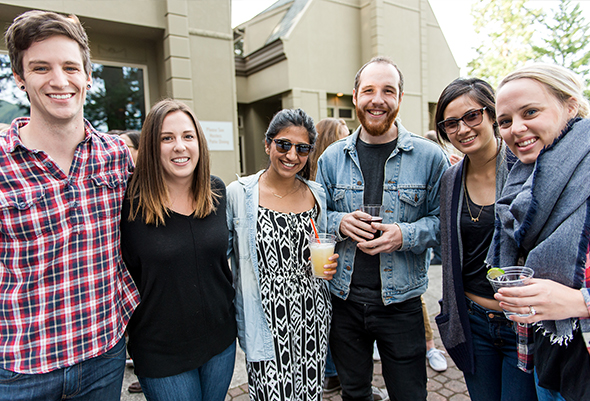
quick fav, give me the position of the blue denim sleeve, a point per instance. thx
(424, 233)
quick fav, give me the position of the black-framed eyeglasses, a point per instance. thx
(471, 119)
(283, 146)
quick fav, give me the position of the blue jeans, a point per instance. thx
(209, 382)
(399, 331)
(330, 367)
(97, 379)
(547, 395)
(497, 376)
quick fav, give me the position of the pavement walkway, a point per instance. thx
(448, 385)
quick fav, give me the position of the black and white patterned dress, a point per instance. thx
(297, 308)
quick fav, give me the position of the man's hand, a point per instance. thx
(390, 240)
(354, 227)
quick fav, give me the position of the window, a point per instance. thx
(345, 113)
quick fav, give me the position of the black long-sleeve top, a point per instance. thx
(186, 315)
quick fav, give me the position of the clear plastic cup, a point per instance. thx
(321, 249)
(514, 276)
(376, 212)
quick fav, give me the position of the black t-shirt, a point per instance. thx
(476, 237)
(186, 315)
(365, 286)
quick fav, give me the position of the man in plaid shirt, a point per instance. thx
(65, 296)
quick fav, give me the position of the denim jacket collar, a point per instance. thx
(404, 140)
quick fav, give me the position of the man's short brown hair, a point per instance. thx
(383, 60)
(35, 26)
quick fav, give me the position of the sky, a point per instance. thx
(453, 16)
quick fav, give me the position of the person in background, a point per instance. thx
(131, 139)
(474, 330)
(283, 310)
(543, 222)
(65, 295)
(329, 131)
(379, 280)
(174, 240)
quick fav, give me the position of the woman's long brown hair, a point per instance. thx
(147, 188)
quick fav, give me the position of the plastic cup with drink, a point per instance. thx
(376, 212)
(321, 247)
(512, 276)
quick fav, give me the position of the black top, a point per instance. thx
(563, 368)
(476, 237)
(186, 315)
(365, 286)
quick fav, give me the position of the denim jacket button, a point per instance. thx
(348, 268)
(359, 183)
(341, 292)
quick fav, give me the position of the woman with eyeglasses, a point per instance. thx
(283, 311)
(478, 337)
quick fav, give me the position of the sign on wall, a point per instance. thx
(219, 134)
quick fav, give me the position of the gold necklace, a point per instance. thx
(277, 195)
(473, 219)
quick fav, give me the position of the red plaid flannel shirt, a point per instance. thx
(65, 295)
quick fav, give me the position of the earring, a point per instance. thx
(88, 86)
(22, 87)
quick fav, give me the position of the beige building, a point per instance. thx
(183, 47)
(305, 53)
(297, 53)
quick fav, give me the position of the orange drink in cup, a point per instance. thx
(321, 247)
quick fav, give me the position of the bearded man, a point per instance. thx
(382, 269)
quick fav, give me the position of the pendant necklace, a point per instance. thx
(277, 195)
(473, 219)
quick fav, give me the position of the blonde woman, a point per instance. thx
(544, 223)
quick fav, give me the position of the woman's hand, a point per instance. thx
(330, 270)
(548, 299)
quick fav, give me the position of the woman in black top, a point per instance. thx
(474, 330)
(174, 239)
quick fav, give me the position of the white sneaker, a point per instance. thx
(436, 359)
(376, 356)
(379, 394)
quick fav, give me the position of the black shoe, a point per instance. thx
(331, 384)
(135, 387)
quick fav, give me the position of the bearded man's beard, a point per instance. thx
(376, 129)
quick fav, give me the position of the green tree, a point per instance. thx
(565, 40)
(506, 28)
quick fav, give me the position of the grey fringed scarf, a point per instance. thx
(543, 215)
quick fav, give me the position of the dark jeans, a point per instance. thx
(399, 332)
(97, 379)
(497, 376)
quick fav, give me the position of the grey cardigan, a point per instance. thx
(453, 320)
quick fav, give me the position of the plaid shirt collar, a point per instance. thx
(13, 138)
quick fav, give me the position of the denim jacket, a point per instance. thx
(410, 198)
(242, 215)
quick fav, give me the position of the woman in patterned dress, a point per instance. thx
(283, 311)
